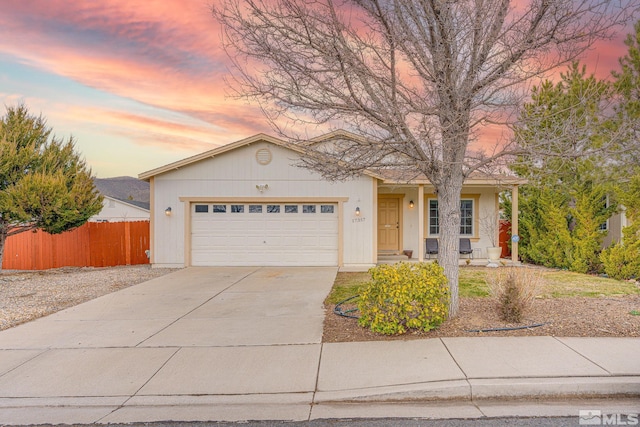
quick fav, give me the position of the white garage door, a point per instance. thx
(264, 234)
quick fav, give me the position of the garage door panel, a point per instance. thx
(266, 238)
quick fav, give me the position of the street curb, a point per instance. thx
(490, 388)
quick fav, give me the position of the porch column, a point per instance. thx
(421, 222)
(514, 222)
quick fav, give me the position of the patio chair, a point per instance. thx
(465, 247)
(432, 247)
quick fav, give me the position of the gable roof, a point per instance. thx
(125, 188)
(261, 137)
(134, 204)
(386, 176)
(340, 133)
(399, 177)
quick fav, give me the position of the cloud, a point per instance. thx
(160, 53)
(164, 53)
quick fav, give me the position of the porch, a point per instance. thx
(386, 258)
(407, 214)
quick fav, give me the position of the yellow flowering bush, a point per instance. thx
(404, 296)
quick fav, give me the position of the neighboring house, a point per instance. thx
(614, 226)
(248, 203)
(115, 210)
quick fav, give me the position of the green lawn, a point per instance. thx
(557, 284)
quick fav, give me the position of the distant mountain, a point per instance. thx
(125, 188)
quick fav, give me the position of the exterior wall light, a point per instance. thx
(411, 205)
(167, 211)
(262, 187)
(358, 211)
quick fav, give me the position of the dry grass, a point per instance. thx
(560, 284)
(514, 289)
(473, 283)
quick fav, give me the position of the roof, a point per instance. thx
(386, 176)
(261, 137)
(390, 176)
(340, 133)
(133, 203)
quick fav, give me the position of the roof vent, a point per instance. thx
(263, 156)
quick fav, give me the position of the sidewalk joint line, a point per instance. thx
(315, 387)
(466, 377)
(195, 308)
(42, 351)
(122, 405)
(583, 356)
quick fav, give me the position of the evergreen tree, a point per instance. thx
(622, 260)
(565, 203)
(44, 183)
(627, 85)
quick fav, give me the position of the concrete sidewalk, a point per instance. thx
(245, 344)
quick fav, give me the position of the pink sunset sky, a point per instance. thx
(139, 83)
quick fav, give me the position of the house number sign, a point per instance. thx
(358, 219)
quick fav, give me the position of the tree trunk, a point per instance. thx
(449, 216)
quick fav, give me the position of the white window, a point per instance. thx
(605, 204)
(467, 217)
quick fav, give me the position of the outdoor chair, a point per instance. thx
(465, 247)
(432, 247)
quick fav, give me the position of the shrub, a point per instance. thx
(514, 289)
(622, 261)
(561, 228)
(404, 296)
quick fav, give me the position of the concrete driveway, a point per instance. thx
(196, 332)
(194, 307)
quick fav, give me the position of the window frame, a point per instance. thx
(604, 227)
(432, 222)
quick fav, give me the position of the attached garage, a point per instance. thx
(250, 203)
(257, 233)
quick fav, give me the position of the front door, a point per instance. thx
(388, 224)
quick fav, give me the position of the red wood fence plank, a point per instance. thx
(505, 236)
(91, 245)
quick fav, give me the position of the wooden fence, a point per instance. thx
(95, 244)
(505, 238)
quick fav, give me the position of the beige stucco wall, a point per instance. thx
(486, 196)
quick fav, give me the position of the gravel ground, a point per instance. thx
(25, 296)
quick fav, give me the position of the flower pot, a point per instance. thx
(408, 253)
(494, 253)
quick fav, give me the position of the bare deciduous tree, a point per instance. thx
(416, 78)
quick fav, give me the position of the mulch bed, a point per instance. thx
(566, 317)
